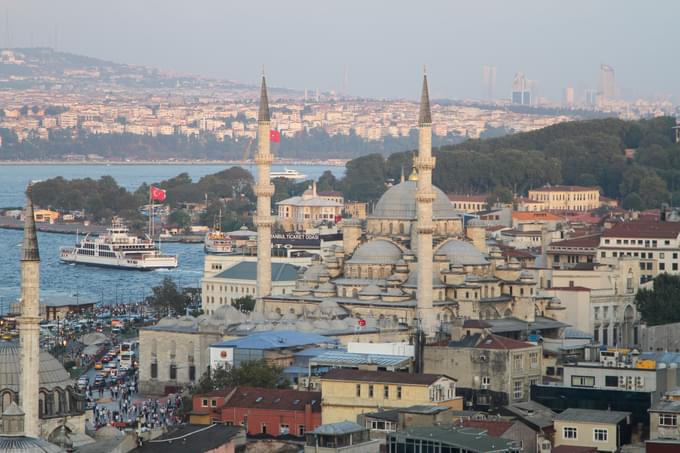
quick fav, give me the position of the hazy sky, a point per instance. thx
(383, 43)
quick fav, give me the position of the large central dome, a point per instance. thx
(399, 202)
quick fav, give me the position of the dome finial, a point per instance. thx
(414, 175)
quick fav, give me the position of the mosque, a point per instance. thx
(410, 265)
(38, 399)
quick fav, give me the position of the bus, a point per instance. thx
(127, 359)
(125, 347)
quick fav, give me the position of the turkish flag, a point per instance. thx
(157, 194)
(275, 136)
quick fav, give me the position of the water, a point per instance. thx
(95, 283)
(15, 178)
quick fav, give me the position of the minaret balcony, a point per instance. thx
(264, 191)
(425, 229)
(427, 197)
(424, 163)
(264, 159)
(263, 220)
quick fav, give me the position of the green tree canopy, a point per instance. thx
(245, 303)
(168, 298)
(661, 304)
(257, 373)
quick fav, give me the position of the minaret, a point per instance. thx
(424, 163)
(29, 330)
(264, 190)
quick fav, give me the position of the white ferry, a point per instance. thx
(216, 242)
(288, 174)
(118, 249)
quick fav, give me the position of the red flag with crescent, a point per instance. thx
(157, 194)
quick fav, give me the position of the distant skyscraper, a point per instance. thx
(489, 81)
(521, 92)
(569, 96)
(607, 82)
(590, 96)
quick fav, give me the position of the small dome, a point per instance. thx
(314, 272)
(107, 432)
(256, 317)
(378, 251)
(338, 324)
(399, 202)
(229, 315)
(463, 253)
(304, 326)
(331, 308)
(289, 317)
(187, 322)
(321, 324)
(24, 444)
(326, 288)
(168, 321)
(371, 290)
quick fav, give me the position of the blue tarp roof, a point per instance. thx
(276, 340)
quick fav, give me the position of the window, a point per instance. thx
(533, 359)
(173, 371)
(204, 403)
(386, 392)
(600, 434)
(370, 390)
(154, 370)
(583, 381)
(569, 432)
(668, 420)
(399, 392)
(517, 389)
(662, 266)
(611, 381)
(486, 382)
(213, 403)
(284, 429)
(358, 389)
(517, 362)
(263, 428)
(301, 430)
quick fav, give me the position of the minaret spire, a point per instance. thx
(29, 330)
(424, 164)
(264, 191)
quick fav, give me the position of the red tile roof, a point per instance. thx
(563, 189)
(495, 428)
(529, 215)
(583, 242)
(282, 399)
(499, 342)
(644, 229)
(472, 198)
(390, 377)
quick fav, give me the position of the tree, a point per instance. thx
(499, 195)
(167, 297)
(661, 304)
(632, 202)
(257, 373)
(245, 303)
(327, 182)
(181, 218)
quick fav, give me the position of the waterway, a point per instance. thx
(94, 283)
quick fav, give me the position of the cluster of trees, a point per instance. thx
(661, 304)
(168, 298)
(256, 373)
(100, 198)
(313, 144)
(589, 153)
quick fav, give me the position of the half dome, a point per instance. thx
(51, 372)
(377, 251)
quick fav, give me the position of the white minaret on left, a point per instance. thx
(29, 321)
(424, 163)
(264, 190)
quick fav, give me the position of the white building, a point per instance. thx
(239, 281)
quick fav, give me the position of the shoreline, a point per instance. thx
(332, 163)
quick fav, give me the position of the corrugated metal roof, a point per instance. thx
(247, 270)
(338, 428)
(592, 415)
(354, 358)
(276, 340)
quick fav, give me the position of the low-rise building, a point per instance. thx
(567, 198)
(348, 393)
(468, 203)
(240, 280)
(302, 212)
(345, 437)
(448, 439)
(273, 412)
(491, 370)
(605, 430)
(664, 429)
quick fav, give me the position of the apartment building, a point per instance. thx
(655, 244)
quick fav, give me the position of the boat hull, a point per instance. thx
(147, 264)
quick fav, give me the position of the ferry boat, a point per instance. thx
(288, 174)
(116, 248)
(217, 242)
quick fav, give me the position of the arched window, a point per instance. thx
(401, 228)
(6, 400)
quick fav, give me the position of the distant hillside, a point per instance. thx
(590, 153)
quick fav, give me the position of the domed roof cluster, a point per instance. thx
(377, 251)
(52, 373)
(462, 253)
(399, 202)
